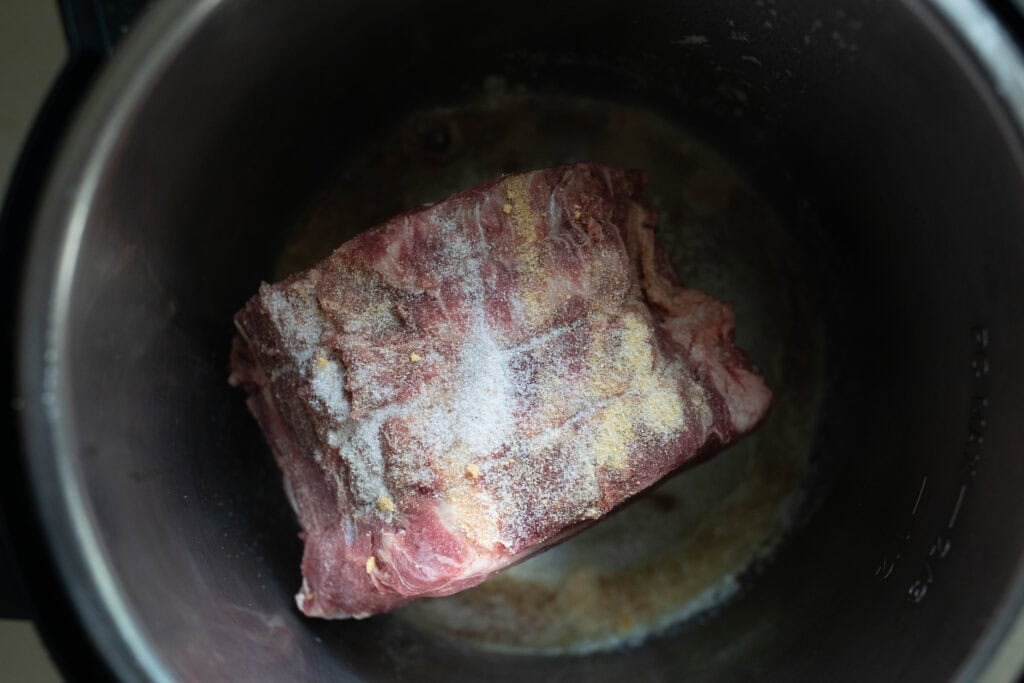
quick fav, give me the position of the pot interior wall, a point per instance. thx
(879, 150)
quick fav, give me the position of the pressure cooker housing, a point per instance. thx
(889, 135)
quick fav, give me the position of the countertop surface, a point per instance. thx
(31, 53)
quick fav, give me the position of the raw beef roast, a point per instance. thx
(471, 382)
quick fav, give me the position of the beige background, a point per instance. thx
(31, 52)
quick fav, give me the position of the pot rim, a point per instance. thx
(972, 32)
(48, 436)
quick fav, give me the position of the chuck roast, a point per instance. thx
(471, 382)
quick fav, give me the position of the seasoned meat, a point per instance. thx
(471, 382)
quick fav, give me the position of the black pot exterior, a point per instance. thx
(218, 123)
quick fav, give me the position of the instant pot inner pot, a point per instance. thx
(838, 173)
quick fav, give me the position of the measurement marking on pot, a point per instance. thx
(916, 591)
(971, 456)
(980, 362)
(940, 548)
(956, 508)
(919, 588)
(920, 492)
(886, 567)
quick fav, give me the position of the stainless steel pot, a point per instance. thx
(889, 136)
